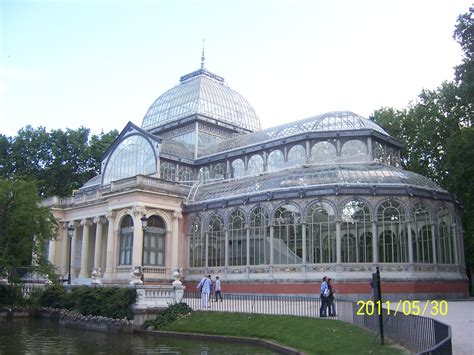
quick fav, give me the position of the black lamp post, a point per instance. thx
(70, 233)
(144, 221)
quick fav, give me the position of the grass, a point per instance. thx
(309, 335)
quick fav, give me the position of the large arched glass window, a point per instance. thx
(197, 244)
(203, 174)
(275, 161)
(259, 237)
(255, 165)
(126, 241)
(154, 243)
(445, 237)
(133, 156)
(238, 168)
(321, 234)
(168, 171)
(393, 236)
(185, 175)
(353, 151)
(287, 236)
(323, 152)
(216, 246)
(296, 155)
(355, 230)
(237, 239)
(219, 171)
(421, 235)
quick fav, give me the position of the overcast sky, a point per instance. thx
(102, 63)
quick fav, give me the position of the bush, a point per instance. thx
(52, 296)
(172, 313)
(11, 295)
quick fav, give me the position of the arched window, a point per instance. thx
(219, 171)
(353, 151)
(259, 237)
(275, 161)
(287, 236)
(168, 171)
(321, 234)
(422, 237)
(355, 228)
(238, 168)
(392, 157)
(203, 174)
(133, 156)
(237, 249)
(255, 165)
(154, 243)
(379, 152)
(445, 237)
(296, 155)
(197, 244)
(393, 238)
(216, 237)
(126, 241)
(185, 175)
(323, 152)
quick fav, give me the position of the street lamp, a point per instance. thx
(144, 221)
(70, 233)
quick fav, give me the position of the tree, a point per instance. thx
(25, 228)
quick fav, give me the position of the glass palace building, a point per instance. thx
(268, 211)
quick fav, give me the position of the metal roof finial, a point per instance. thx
(203, 58)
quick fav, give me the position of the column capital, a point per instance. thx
(86, 222)
(177, 215)
(100, 220)
(138, 210)
(74, 224)
(110, 215)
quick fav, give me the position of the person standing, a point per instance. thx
(205, 286)
(331, 305)
(324, 298)
(217, 288)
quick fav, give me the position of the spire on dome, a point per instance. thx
(203, 58)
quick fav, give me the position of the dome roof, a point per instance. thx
(203, 93)
(315, 176)
(327, 122)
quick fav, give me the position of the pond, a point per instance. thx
(42, 336)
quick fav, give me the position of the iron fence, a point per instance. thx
(421, 334)
(303, 306)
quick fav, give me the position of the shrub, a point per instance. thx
(11, 295)
(168, 315)
(52, 296)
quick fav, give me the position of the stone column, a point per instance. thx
(410, 244)
(74, 248)
(272, 230)
(175, 240)
(64, 248)
(137, 253)
(455, 244)
(375, 243)
(308, 151)
(369, 148)
(86, 223)
(433, 233)
(226, 247)
(247, 229)
(206, 250)
(303, 241)
(99, 221)
(109, 260)
(338, 242)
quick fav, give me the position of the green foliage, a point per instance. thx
(60, 161)
(169, 315)
(25, 229)
(10, 295)
(112, 302)
(52, 296)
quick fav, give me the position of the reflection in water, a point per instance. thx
(41, 336)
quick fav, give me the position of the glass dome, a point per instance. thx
(327, 122)
(203, 93)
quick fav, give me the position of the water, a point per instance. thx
(42, 336)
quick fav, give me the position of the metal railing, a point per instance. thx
(303, 306)
(421, 334)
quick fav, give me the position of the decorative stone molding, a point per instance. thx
(177, 214)
(100, 220)
(139, 210)
(110, 215)
(86, 222)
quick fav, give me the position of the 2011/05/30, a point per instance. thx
(406, 307)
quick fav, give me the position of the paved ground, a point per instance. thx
(460, 317)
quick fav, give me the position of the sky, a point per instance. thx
(102, 63)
